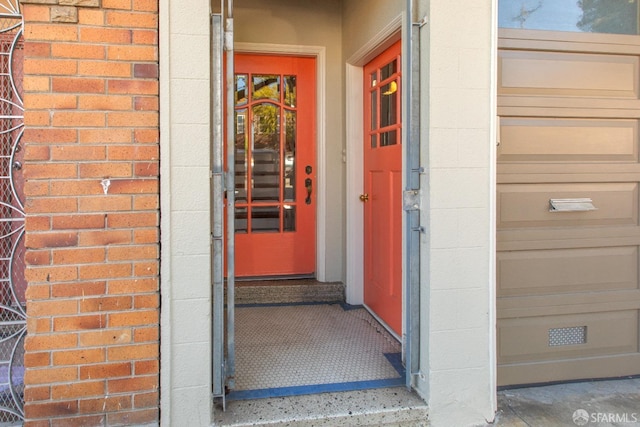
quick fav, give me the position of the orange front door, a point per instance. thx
(382, 195)
(275, 170)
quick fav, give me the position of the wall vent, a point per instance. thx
(567, 336)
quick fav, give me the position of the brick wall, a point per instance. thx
(92, 212)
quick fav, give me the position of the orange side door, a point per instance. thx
(275, 165)
(382, 195)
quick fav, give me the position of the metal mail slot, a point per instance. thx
(571, 205)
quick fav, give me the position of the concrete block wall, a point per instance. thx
(92, 212)
(457, 273)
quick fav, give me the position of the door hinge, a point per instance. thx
(411, 200)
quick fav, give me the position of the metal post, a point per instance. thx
(413, 230)
(217, 206)
(231, 196)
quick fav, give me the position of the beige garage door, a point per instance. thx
(568, 199)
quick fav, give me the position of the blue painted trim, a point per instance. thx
(314, 389)
(396, 361)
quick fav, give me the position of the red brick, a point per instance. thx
(105, 136)
(59, 290)
(42, 101)
(146, 400)
(145, 5)
(79, 323)
(147, 416)
(127, 385)
(138, 87)
(37, 118)
(51, 409)
(146, 301)
(77, 50)
(80, 389)
(90, 16)
(99, 238)
(144, 169)
(36, 188)
(78, 85)
(105, 304)
(150, 235)
(146, 203)
(50, 375)
(105, 102)
(146, 334)
(37, 223)
(134, 318)
(145, 37)
(145, 71)
(75, 188)
(51, 32)
(37, 360)
(35, 153)
(105, 370)
(135, 119)
(37, 423)
(51, 205)
(35, 49)
(71, 152)
(105, 170)
(79, 221)
(103, 271)
(108, 203)
(117, 4)
(36, 13)
(146, 367)
(131, 20)
(54, 67)
(78, 119)
(133, 152)
(33, 393)
(105, 404)
(146, 269)
(38, 257)
(106, 337)
(146, 136)
(132, 53)
(134, 186)
(125, 253)
(105, 35)
(47, 135)
(38, 325)
(51, 274)
(78, 256)
(52, 307)
(38, 292)
(36, 84)
(49, 170)
(85, 421)
(51, 240)
(146, 103)
(135, 219)
(133, 286)
(78, 357)
(104, 69)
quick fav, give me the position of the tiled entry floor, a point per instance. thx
(286, 350)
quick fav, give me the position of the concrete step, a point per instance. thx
(394, 406)
(288, 291)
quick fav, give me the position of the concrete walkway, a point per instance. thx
(596, 403)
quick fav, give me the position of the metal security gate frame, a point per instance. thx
(12, 249)
(222, 187)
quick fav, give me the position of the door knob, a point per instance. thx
(364, 197)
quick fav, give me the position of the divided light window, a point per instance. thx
(586, 16)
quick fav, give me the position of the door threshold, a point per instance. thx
(276, 277)
(396, 406)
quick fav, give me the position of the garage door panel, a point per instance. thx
(567, 336)
(567, 270)
(567, 74)
(528, 205)
(565, 140)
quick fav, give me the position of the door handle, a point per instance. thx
(364, 197)
(309, 186)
